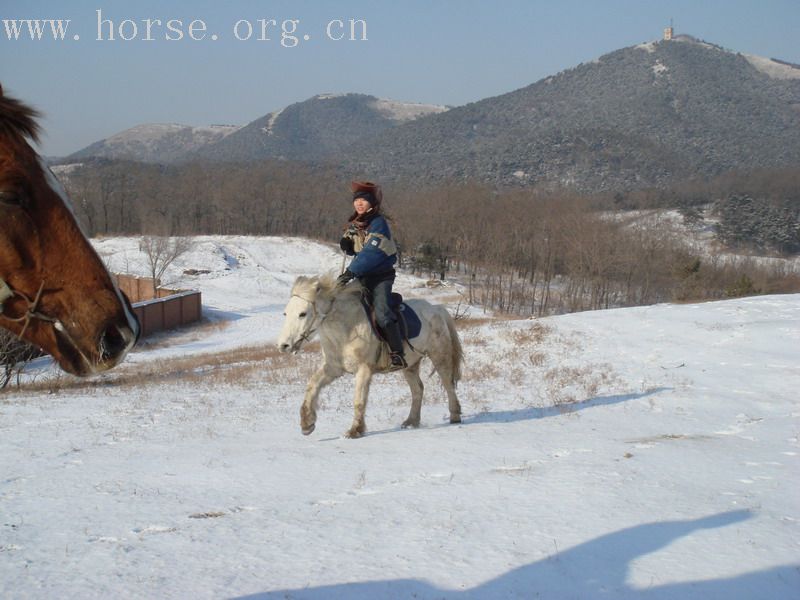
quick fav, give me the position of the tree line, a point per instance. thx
(520, 251)
(525, 252)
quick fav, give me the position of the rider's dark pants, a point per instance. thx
(380, 287)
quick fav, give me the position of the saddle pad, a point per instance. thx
(409, 321)
(410, 324)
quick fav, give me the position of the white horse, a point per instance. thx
(350, 346)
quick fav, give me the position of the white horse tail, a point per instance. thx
(456, 350)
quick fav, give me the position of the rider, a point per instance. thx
(368, 238)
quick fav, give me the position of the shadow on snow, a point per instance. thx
(524, 414)
(595, 569)
(529, 414)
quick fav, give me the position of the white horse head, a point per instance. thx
(305, 311)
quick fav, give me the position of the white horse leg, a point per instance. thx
(452, 400)
(415, 383)
(444, 369)
(308, 411)
(363, 379)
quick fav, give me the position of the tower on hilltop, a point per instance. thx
(668, 32)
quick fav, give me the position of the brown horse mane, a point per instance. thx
(17, 120)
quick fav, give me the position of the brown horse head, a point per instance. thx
(55, 291)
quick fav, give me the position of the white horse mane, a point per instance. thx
(321, 286)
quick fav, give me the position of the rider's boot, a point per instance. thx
(395, 341)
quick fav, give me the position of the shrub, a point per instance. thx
(743, 286)
(14, 355)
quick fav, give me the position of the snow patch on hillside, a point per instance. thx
(649, 47)
(690, 39)
(148, 139)
(700, 238)
(273, 116)
(405, 111)
(154, 132)
(774, 69)
(146, 131)
(65, 170)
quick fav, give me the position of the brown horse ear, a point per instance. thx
(1, 89)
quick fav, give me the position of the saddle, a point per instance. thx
(407, 319)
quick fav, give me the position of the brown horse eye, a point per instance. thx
(11, 198)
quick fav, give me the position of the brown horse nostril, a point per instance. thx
(114, 342)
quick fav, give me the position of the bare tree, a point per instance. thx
(161, 252)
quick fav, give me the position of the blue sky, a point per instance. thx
(435, 51)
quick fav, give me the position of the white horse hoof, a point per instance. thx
(309, 430)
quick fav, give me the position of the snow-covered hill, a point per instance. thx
(155, 142)
(637, 453)
(321, 128)
(650, 115)
(326, 123)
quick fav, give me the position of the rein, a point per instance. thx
(6, 293)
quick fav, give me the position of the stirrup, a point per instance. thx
(397, 362)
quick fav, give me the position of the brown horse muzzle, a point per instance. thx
(110, 347)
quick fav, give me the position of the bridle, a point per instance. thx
(6, 293)
(31, 312)
(305, 336)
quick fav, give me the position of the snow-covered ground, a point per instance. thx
(637, 453)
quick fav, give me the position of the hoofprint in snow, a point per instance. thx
(637, 453)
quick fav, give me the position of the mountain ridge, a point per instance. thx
(643, 115)
(647, 115)
(309, 130)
